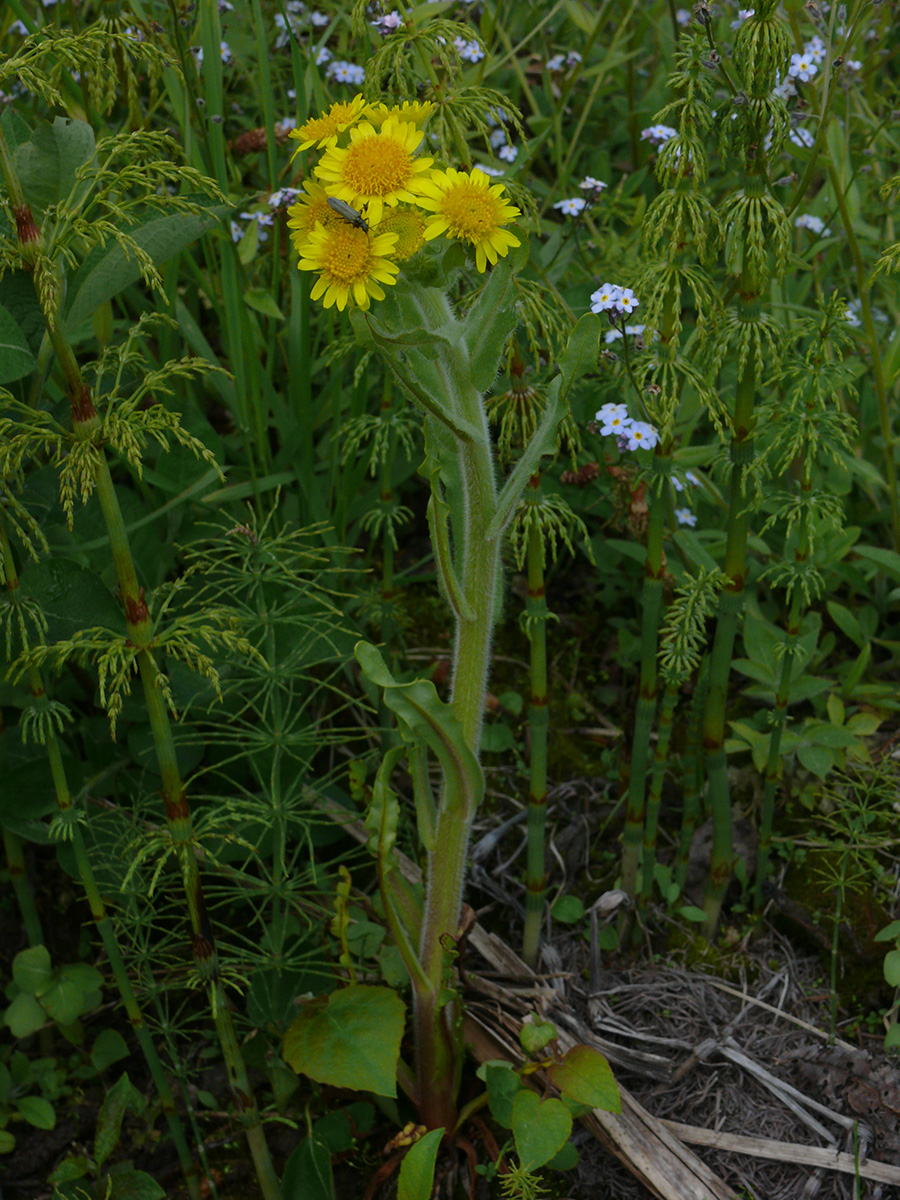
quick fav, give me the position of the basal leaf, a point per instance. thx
(417, 1169)
(349, 1039)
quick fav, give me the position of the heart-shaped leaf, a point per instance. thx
(540, 1127)
(585, 1075)
(349, 1039)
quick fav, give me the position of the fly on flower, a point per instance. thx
(349, 213)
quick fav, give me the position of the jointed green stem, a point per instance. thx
(98, 909)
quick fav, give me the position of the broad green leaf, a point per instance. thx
(33, 970)
(490, 321)
(535, 1035)
(691, 912)
(887, 560)
(816, 759)
(73, 1166)
(542, 443)
(16, 129)
(108, 1048)
(16, 358)
(889, 933)
(18, 297)
(72, 597)
(73, 994)
(308, 1175)
(417, 1169)
(892, 967)
(567, 910)
(582, 350)
(857, 670)
(585, 1075)
(503, 1085)
(892, 1037)
(260, 300)
(47, 162)
(24, 1016)
(7, 1142)
(120, 1097)
(109, 270)
(846, 622)
(135, 1185)
(540, 1128)
(565, 1160)
(349, 1039)
(37, 1111)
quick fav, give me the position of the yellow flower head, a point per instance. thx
(415, 111)
(472, 209)
(409, 226)
(324, 131)
(309, 209)
(377, 168)
(351, 263)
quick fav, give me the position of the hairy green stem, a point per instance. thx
(538, 717)
(438, 1038)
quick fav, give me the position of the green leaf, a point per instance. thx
(817, 759)
(497, 739)
(691, 912)
(543, 442)
(260, 300)
(349, 1039)
(565, 1160)
(73, 1166)
(24, 1016)
(16, 358)
(32, 970)
(120, 1097)
(108, 1048)
(540, 1128)
(888, 560)
(890, 932)
(7, 1142)
(47, 162)
(857, 670)
(584, 1075)
(503, 1085)
(37, 1111)
(108, 270)
(846, 622)
(567, 910)
(417, 1169)
(489, 322)
(72, 598)
(68, 999)
(892, 967)
(428, 719)
(582, 350)
(135, 1185)
(535, 1035)
(892, 1037)
(308, 1175)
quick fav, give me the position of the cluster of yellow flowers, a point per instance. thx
(369, 162)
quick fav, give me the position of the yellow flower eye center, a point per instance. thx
(376, 166)
(469, 211)
(349, 255)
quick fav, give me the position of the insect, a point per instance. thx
(349, 213)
